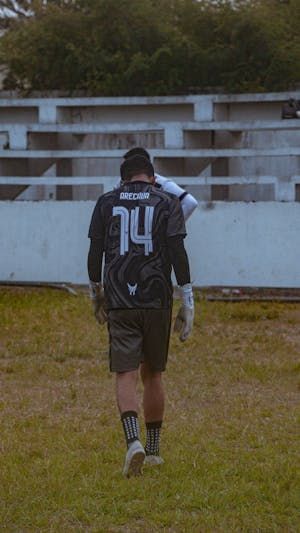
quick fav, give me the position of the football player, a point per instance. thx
(187, 200)
(141, 231)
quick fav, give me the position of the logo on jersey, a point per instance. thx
(132, 289)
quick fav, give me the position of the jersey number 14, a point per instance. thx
(130, 226)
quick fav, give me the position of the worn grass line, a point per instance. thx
(230, 439)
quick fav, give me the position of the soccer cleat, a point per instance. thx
(153, 460)
(134, 459)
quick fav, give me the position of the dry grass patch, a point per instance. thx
(230, 439)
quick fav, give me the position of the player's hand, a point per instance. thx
(98, 302)
(185, 318)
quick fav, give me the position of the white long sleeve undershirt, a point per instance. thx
(188, 202)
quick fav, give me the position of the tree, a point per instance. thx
(149, 47)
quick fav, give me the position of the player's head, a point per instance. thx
(138, 150)
(135, 167)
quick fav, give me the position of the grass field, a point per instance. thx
(230, 439)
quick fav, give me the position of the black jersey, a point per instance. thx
(134, 222)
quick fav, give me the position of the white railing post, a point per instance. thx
(47, 113)
(284, 190)
(18, 137)
(204, 109)
(173, 136)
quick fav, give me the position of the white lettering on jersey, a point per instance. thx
(124, 238)
(133, 216)
(134, 196)
(132, 289)
(145, 239)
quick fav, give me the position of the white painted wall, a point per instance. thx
(245, 244)
(44, 241)
(239, 244)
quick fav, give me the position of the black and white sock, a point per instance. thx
(153, 437)
(131, 426)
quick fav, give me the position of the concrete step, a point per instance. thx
(156, 153)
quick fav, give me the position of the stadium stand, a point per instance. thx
(219, 147)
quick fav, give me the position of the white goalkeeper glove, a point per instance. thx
(185, 317)
(98, 302)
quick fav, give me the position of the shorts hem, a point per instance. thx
(114, 370)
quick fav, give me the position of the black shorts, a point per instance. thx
(137, 335)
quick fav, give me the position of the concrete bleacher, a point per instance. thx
(220, 147)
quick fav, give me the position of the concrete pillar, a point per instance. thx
(47, 113)
(284, 190)
(173, 136)
(204, 110)
(18, 137)
(64, 168)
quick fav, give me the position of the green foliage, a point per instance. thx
(151, 47)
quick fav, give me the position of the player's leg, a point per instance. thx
(126, 391)
(154, 396)
(125, 356)
(128, 407)
(155, 349)
(153, 403)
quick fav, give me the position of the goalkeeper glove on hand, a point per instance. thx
(98, 301)
(185, 317)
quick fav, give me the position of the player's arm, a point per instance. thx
(179, 260)
(95, 256)
(187, 200)
(188, 204)
(185, 317)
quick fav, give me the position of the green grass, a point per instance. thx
(230, 438)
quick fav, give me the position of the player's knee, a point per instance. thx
(151, 376)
